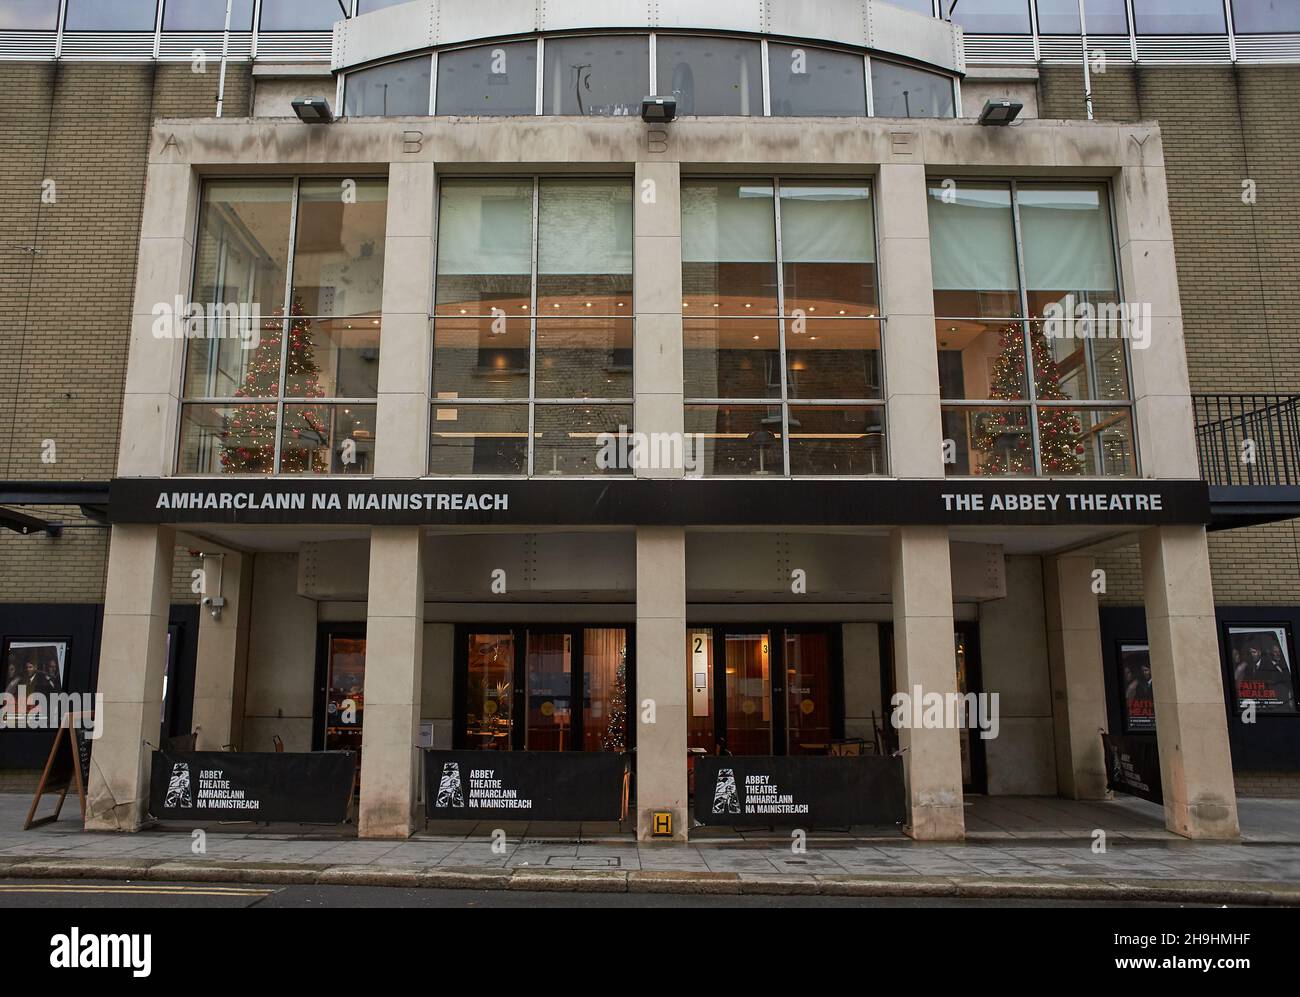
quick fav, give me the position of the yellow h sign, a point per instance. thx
(662, 824)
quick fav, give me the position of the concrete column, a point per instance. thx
(150, 402)
(405, 343)
(1078, 679)
(221, 658)
(910, 348)
(926, 663)
(1191, 721)
(661, 677)
(1165, 422)
(657, 352)
(132, 663)
(394, 664)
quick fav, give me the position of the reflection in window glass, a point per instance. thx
(737, 440)
(732, 358)
(328, 439)
(481, 357)
(489, 80)
(903, 92)
(570, 438)
(397, 88)
(485, 247)
(1061, 17)
(1262, 16)
(711, 76)
(973, 251)
(728, 248)
(479, 439)
(113, 15)
(816, 82)
(837, 440)
(584, 247)
(29, 15)
(1091, 442)
(1179, 17)
(206, 15)
(992, 17)
(338, 262)
(300, 15)
(602, 75)
(996, 442)
(833, 359)
(233, 439)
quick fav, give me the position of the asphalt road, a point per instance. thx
(92, 894)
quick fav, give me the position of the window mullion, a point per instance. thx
(780, 310)
(286, 322)
(532, 333)
(1026, 329)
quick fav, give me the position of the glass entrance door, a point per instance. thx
(808, 711)
(749, 693)
(549, 675)
(345, 685)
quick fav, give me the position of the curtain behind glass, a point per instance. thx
(1067, 240)
(972, 240)
(728, 221)
(584, 227)
(827, 224)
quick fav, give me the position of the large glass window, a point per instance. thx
(1026, 389)
(206, 15)
(282, 362)
(992, 17)
(491, 79)
(393, 89)
(29, 15)
(603, 75)
(781, 336)
(903, 92)
(112, 15)
(711, 76)
(1061, 17)
(533, 328)
(1264, 16)
(1179, 17)
(817, 82)
(366, 6)
(300, 15)
(920, 6)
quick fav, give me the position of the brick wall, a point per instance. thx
(1238, 264)
(66, 311)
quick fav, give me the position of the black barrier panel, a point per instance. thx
(799, 791)
(524, 785)
(1133, 767)
(308, 787)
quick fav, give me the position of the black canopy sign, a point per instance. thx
(525, 785)
(799, 791)
(657, 502)
(309, 787)
(1133, 766)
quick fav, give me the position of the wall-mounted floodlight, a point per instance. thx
(1000, 112)
(658, 110)
(313, 110)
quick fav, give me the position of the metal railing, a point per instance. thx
(1248, 439)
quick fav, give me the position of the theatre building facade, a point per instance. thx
(563, 465)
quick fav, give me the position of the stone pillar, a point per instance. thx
(132, 663)
(1078, 678)
(661, 677)
(911, 351)
(925, 663)
(221, 658)
(1191, 721)
(394, 665)
(657, 352)
(390, 762)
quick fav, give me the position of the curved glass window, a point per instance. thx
(904, 92)
(489, 79)
(711, 76)
(603, 75)
(1061, 17)
(816, 82)
(366, 6)
(205, 15)
(993, 17)
(1264, 16)
(300, 15)
(396, 88)
(1179, 17)
(920, 6)
(29, 15)
(112, 15)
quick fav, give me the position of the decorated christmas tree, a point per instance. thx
(248, 439)
(615, 735)
(1006, 436)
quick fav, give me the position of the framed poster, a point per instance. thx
(1259, 662)
(35, 668)
(1136, 697)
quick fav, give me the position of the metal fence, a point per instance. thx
(1248, 439)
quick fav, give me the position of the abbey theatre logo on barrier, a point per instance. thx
(726, 799)
(450, 793)
(178, 788)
